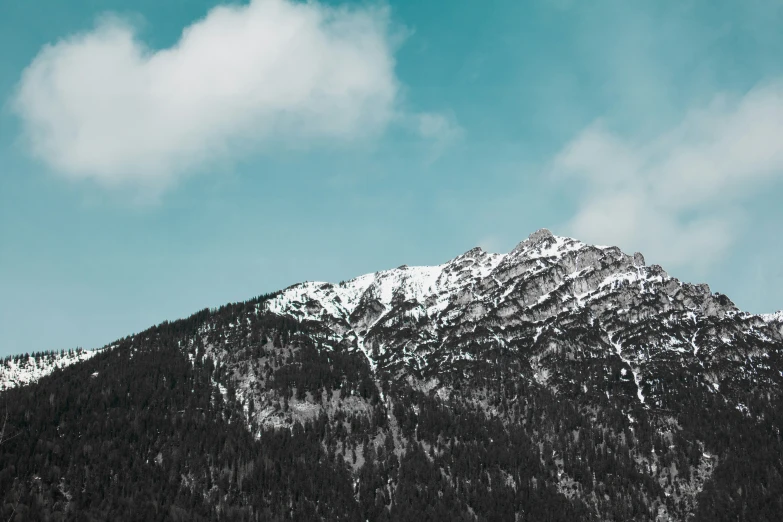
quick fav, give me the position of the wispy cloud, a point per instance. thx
(441, 130)
(678, 196)
(102, 106)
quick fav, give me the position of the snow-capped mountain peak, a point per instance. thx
(542, 243)
(540, 265)
(424, 315)
(514, 298)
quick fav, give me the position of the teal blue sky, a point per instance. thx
(655, 126)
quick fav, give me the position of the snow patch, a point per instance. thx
(21, 371)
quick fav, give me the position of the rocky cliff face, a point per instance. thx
(541, 297)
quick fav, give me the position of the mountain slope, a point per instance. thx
(558, 381)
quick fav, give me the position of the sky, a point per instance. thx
(157, 158)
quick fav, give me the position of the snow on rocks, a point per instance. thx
(20, 371)
(542, 277)
(776, 317)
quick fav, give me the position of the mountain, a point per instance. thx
(559, 381)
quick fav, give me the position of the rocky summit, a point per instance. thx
(559, 381)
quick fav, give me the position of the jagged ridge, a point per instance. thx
(519, 296)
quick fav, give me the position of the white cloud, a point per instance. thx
(677, 197)
(102, 106)
(437, 126)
